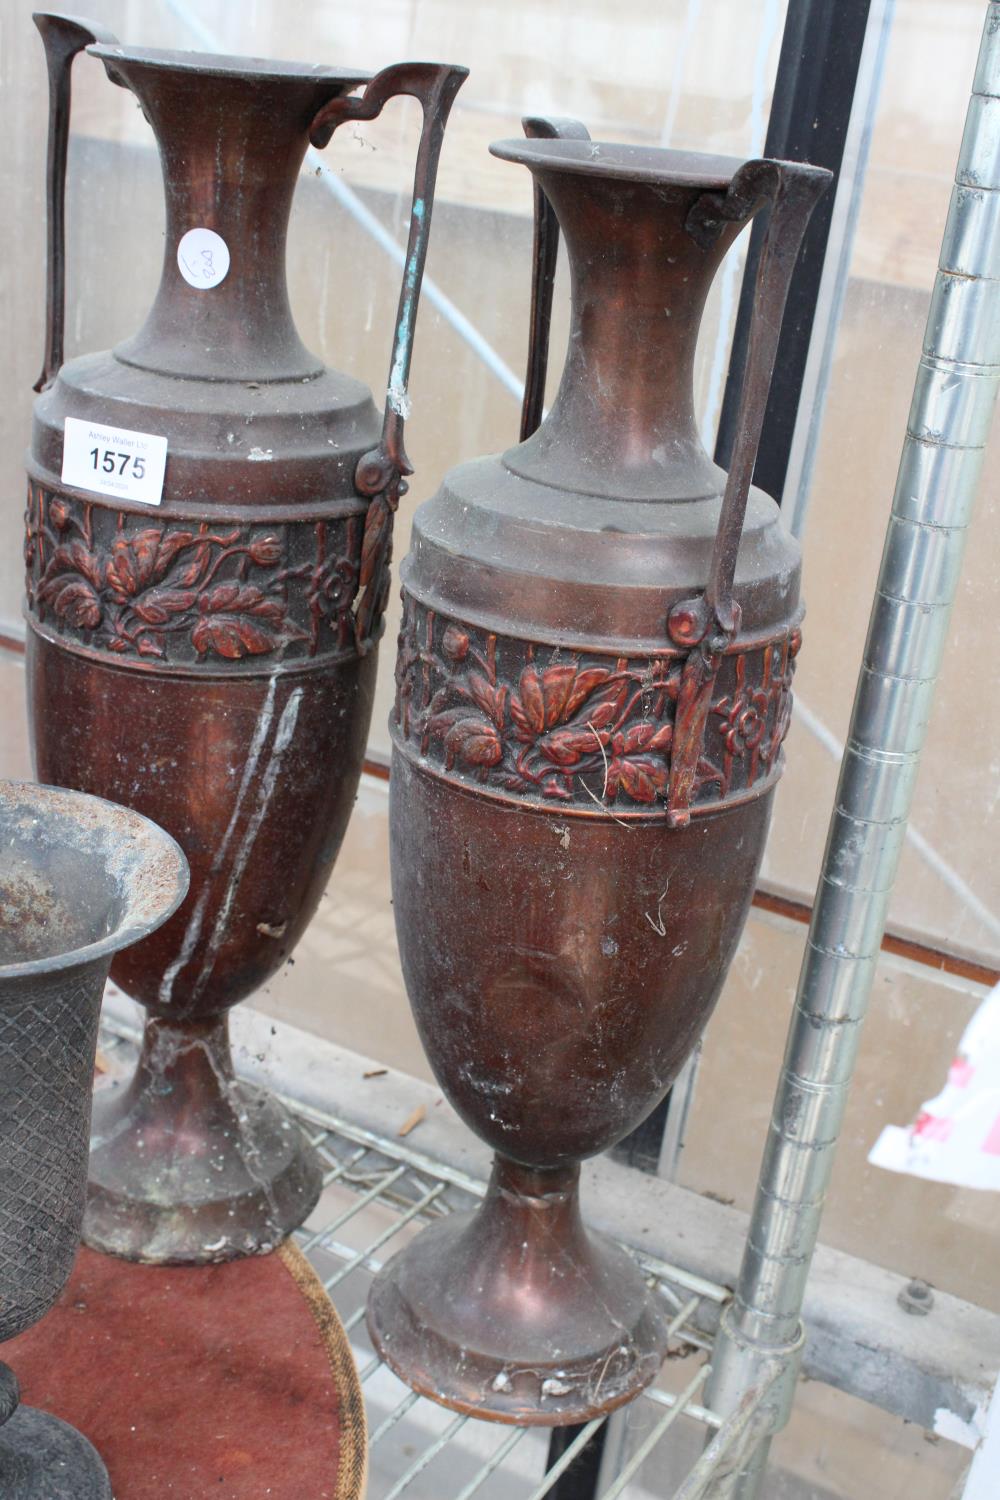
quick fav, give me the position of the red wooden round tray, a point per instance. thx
(234, 1382)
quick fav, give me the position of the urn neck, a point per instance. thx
(232, 135)
(623, 422)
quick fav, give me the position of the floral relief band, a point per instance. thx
(189, 592)
(543, 724)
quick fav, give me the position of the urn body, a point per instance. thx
(207, 655)
(587, 736)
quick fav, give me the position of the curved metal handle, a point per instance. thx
(708, 622)
(62, 37)
(380, 472)
(543, 270)
(791, 191)
(435, 86)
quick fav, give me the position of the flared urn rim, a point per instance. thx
(147, 864)
(627, 163)
(260, 69)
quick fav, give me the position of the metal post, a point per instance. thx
(851, 181)
(954, 396)
(811, 111)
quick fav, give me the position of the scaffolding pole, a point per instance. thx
(954, 395)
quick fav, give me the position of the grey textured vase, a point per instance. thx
(80, 879)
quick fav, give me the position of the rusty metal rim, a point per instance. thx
(227, 65)
(639, 164)
(168, 874)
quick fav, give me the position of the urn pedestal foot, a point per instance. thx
(189, 1165)
(42, 1458)
(515, 1313)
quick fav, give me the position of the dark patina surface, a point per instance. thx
(594, 681)
(211, 660)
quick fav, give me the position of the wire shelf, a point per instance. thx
(378, 1193)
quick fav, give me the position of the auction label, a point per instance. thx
(202, 258)
(114, 461)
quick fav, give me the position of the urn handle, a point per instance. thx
(543, 270)
(62, 37)
(380, 473)
(707, 623)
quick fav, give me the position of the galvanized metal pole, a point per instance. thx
(953, 400)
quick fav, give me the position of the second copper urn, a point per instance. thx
(594, 673)
(202, 636)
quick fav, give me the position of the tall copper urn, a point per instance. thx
(594, 676)
(205, 652)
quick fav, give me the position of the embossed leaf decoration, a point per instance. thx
(232, 622)
(492, 700)
(73, 600)
(440, 723)
(605, 709)
(241, 599)
(143, 558)
(157, 606)
(475, 740)
(642, 777)
(565, 746)
(167, 548)
(232, 637)
(528, 710)
(583, 685)
(643, 737)
(551, 697)
(190, 570)
(75, 557)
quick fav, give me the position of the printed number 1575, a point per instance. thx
(113, 462)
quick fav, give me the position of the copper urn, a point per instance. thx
(594, 682)
(205, 652)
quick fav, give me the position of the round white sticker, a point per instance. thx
(203, 258)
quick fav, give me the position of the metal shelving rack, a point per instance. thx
(369, 1179)
(380, 1188)
(376, 1192)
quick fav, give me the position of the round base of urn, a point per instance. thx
(515, 1313)
(189, 1165)
(42, 1458)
